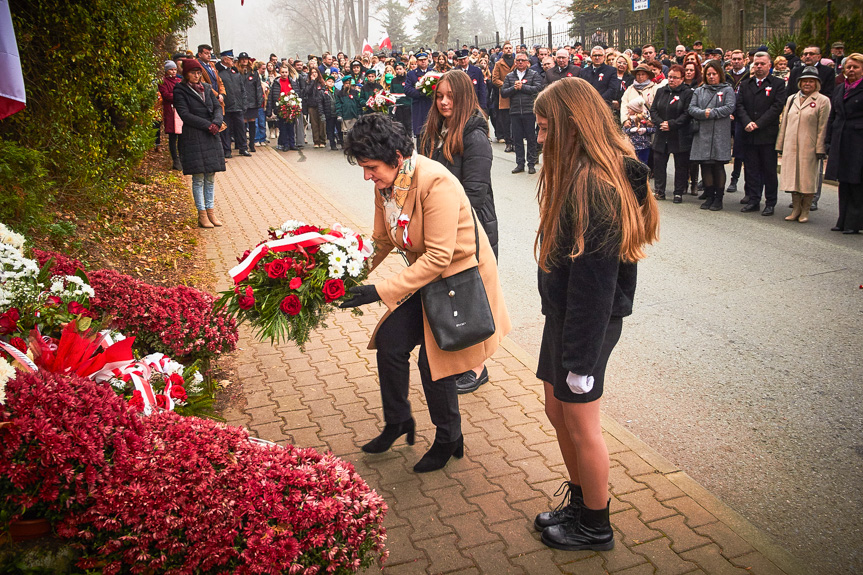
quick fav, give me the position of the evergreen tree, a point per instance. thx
(392, 15)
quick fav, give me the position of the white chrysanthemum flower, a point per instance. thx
(57, 286)
(7, 372)
(327, 248)
(117, 383)
(355, 255)
(354, 268)
(336, 272)
(338, 258)
(342, 242)
(291, 225)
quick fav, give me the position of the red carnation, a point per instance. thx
(75, 308)
(295, 283)
(333, 290)
(178, 392)
(291, 305)
(246, 302)
(276, 269)
(306, 229)
(9, 321)
(19, 344)
(137, 401)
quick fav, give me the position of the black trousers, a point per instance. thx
(681, 171)
(850, 206)
(236, 130)
(400, 333)
(761, 160)
(503, 127)
(523, 128)
(252, 128)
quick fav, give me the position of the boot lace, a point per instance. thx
(565, 509)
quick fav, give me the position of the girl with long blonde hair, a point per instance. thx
(596, 216)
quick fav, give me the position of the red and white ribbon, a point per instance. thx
(26, 364)
(403, 222)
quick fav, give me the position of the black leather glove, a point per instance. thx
(361, 296)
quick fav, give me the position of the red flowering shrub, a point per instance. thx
(201, 498)
(64, 432)
(178, 321)
(63, 264)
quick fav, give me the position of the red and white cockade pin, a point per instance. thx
(403, 222)
(720, 97)
(811, 104)
(767, 90)
(601, 74)
(674, 99)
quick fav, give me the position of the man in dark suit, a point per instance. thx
(760, 100)
(421, 103)
(812, 57)
(600, 74)
(462, 59)
(562, 68)
(739, 72)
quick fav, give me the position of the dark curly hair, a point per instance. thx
(377, 137)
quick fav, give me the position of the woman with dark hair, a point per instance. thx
(200, 147)
(595, 216)
(670, 114)
(711, 107)
(456, 135)
(420, 209)
(313, 100)
(692, 74)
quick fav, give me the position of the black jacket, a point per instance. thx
(521, 101)
(253, 92)
(232, 80)
(276, 92)
(200, 151)
(844, 136)
(620, 85)
(473, 169)
(603, 79)
(554, 73)
(586, 292)
(826, 73)
(760, 105)
(666, 108)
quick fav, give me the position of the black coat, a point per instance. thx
(620, 85)
(473, 169)
(253, 92)
(586, 292)
(845, 137)
(232, 80)
(603, 79)
(200, 151)
(276, 93)
(678, 138)
(826, 73)
(760, 105)
(521, 101)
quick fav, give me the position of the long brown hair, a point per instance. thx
(583, 167)
(464, 105)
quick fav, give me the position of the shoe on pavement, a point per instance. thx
(659, 196)
(567, 510)
(518, 169)
(245, 153)
(768, 211)
(509, 149)
(814, 206)
(732, 188)
(531, 170)
(678, 199)
(590, 530)
(468, 381)
(750, 208)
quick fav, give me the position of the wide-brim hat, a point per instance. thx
(646, 69)
(810, 72)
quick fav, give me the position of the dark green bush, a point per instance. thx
(90, 70)
(845, 27)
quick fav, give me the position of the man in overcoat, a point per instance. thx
(235, 104)
(599, 75)
(812, 57)
(504, 66)
(421, 104)
(760, 100)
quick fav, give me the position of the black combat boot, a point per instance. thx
(591, 530)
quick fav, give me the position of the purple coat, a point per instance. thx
(166, 89)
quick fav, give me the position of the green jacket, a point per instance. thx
(348, 105)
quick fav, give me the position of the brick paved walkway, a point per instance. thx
(476, 515)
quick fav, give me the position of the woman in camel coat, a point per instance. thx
(422, 210)
(801, 142)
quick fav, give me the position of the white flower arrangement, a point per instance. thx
(11, 238)
(70, 288)
(7, 372)
(13, 264)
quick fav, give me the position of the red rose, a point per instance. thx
(291, 305)
(53, 301)
(178, 392)
(137, 401)
(333, 290)
(162, 401)
(19, 344)
(295, 283)
(276, 269)
(176, 379)
(246, 302)
(244, 256)
(265, 250)
(9, 321)
(75, 308)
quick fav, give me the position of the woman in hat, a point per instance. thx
(200, 147)
(802, 142)
(172, 122)
(643, 87)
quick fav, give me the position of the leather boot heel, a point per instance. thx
(388, 436)
(411, 437)
(439, 454)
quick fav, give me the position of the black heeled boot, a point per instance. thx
(388, 436)
(566, 511)
(591, 530)
(709, 194)
(439, 454)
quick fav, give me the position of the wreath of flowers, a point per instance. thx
(381, 101)
(287, 286)
(290, 106)
(428, 83)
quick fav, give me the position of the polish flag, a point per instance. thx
(13, 97)
(366, 46)
(384, 42)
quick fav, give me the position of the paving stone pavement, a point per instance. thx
(476, 515)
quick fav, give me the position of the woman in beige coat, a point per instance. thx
(801, 142)
(422, 210)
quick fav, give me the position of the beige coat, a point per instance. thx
(801, 137)
(442, 243)
(649, 93)
(497, 77)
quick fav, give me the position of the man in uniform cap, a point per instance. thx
(462, 62)
(421, 104)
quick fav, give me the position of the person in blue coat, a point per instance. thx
(600, 75)
(421, 104)
(475, 74)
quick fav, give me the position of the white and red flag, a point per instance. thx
(366, 46)
(13, 98)
(384, 43)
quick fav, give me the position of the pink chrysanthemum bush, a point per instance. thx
(62, 265)
(178, 321)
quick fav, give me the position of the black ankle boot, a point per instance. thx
(439, 454)
(388, 436)
(566, 511)
(591, 530)
(708, 196)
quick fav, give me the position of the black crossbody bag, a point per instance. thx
(457, 307)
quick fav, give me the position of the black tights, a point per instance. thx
(713, 175)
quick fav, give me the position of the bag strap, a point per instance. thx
(476, 234)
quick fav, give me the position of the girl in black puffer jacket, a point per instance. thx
(456, 135)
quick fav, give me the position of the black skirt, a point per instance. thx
(551, 368)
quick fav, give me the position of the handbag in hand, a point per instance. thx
(457, 307)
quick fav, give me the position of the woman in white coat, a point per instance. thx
(801, 142)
